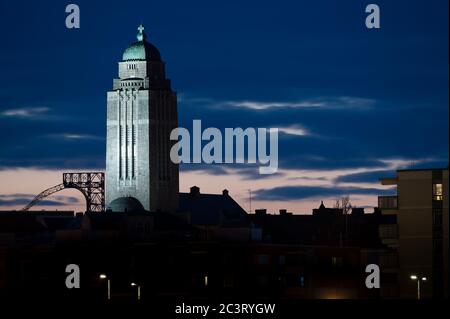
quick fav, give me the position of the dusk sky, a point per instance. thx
(352, 104)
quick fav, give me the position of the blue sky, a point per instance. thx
(355, 104)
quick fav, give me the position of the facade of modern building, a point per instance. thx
(420, 234)
(141, 113)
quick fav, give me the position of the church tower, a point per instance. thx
(141, 113)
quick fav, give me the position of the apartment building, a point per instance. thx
(420, 234)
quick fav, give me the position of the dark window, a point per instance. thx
(263, 259)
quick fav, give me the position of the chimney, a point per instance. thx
(225, 192)
(283, 211)
(357, 211)
(195, 190)
(261, 212)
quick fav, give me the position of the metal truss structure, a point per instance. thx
(91, 185)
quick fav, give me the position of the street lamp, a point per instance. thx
(102, 277)
(133, 284)
(418, 279)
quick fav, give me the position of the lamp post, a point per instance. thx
(133, 284)
(418, 279)
(102, 277)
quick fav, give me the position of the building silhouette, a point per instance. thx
(213, 249)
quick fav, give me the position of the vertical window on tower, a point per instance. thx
(133, 145)
(160, 149)
(123, 151)
(120, 151)
(125, 147)
(437, 192)
(164, 153)
(120, 141)
(129, 158)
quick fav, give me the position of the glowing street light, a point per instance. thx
(102, 277)
(133, 284)
(415, 277)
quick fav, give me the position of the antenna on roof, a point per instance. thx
(250, 199)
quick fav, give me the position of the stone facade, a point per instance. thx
(141, 113)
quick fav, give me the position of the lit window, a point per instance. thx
(336, 261)
(437, 191)
(302, 281)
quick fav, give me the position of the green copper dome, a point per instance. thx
(141, 50)
(126, 205)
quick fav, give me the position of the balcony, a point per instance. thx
(387, 202)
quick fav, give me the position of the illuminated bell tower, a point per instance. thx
(141, 113)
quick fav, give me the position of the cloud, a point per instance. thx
(27, 112)
(295, 130)
(74, 137)
(306, 192)
(255, 105)
(389, 169)
(69, 163)
(16, 195)
(365, 177)
(24, 199)
(216, 169)
(184, 98)
(359, 173)
(336, 103)
(67, 199)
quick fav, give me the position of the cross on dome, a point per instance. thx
(141, 35)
